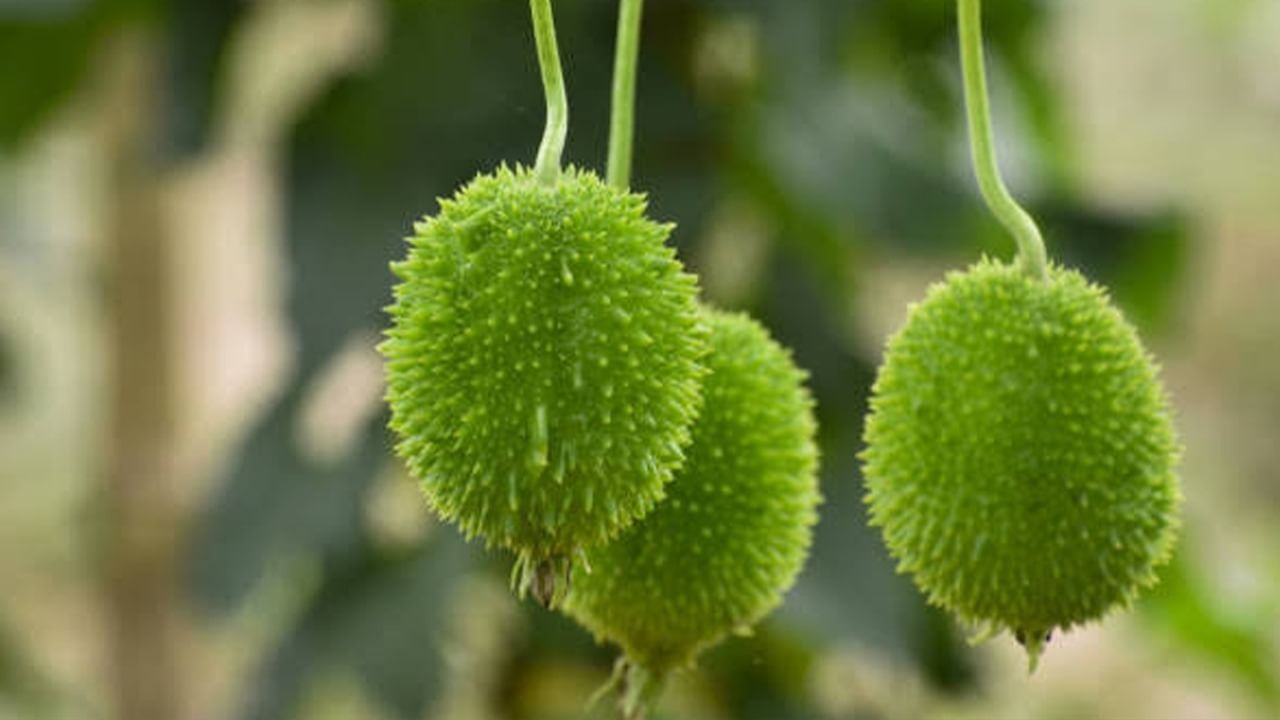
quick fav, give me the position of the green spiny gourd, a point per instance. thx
(1020, 454)
(720, 551)
(544, 361)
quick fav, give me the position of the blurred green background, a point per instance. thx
(199, 517)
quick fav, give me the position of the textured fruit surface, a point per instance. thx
(734, 531)
(1020, 454)
(544, 361)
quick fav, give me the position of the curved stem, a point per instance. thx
(550, 152)
(1031, 250)
(622, 125)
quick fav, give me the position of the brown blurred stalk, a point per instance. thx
(141, 505)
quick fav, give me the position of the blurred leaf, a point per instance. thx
(764, 676)
(939, 646)
(8, 371)
(850, 139)
(52, 55)
(865, 169)
(1144, 259)
(375, 152)
(1186, 608)
(55, 43)
(278, 502)
(23, 688)
(914, 46)
(380, 616)
(197, 33)
(849, 593)
(848, 590)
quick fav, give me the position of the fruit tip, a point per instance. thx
(546, 579)
(1034, 642)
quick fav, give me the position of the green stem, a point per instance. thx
(551, 151)
(640, 691)
(622, 127)
(1031, 251)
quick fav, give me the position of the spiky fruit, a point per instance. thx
(720, 551)
(1020, 454)
(543, 364)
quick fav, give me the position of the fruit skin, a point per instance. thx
(544, 361)
(720, 551)
(1020, 453)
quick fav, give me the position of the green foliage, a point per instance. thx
(28, 97)
(8, 373)
(1186, 609)
(373, 616)
(544, 361)
(719, 552)
(55, 44)
(281, 503)
(1020, 454)
(1143, 259)
(25, 691)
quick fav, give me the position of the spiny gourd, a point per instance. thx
(543, 364)
(720, 551)
(1020, 455)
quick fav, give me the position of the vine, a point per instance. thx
(1031, 250)
(622, 124)
(551, 151)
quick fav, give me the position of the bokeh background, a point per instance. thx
(199, 517)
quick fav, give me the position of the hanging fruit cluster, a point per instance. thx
(559, 391)
(552, 378)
